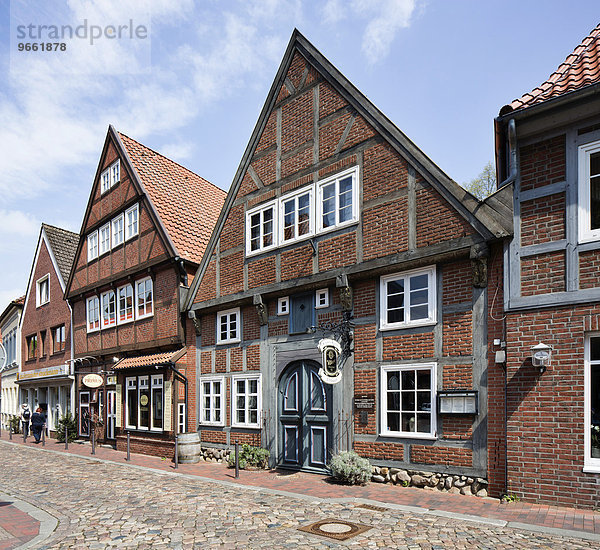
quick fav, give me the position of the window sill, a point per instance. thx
(225, 342)
(90, 331)
(246, 426)
(211, 424)
(591, 469)
(125, 322)
(427, 323)
(407, 435)
(147, 316)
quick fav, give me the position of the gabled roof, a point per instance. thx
(188, 205)
(64, 246)
(580, 69)
(479, 214)
(17, 303)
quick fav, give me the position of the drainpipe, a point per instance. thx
(512, 161)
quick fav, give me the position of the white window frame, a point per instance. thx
(87, 313)
(383, 431)
(181, 413)
(131, 383)
(234, 395)
(146, 379)
(311, 212)
(147, 313)
(260, 211)
(322, 298)
(129, 234)
(157, 381)
(119, 321)
(92, 246)
(336, 180)
(238, 317)
(586, 234)
(114, 241)
(104, 240)
(283, 305)
(590, 465)
(431, 302)
(115, 172)
(41, 300)
(212, 408)
(104, 296)
(105, 181)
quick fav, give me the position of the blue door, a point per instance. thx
(304, 418)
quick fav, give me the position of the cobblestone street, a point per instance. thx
(106, 505)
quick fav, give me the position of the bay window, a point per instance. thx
(408, 400)
(408, 299)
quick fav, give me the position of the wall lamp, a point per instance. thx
(541, 356)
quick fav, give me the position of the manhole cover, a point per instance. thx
(335, 529)
(372, 507)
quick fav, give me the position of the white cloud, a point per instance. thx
(333, 11)
(16, 223)
(7, 296)
(178, 151)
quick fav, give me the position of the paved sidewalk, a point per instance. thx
(549, 519)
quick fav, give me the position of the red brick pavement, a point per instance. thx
(19, 527)
(319, 486)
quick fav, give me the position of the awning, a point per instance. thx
(149, 360)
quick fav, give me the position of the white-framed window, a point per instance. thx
(42, 290)
(297, 219)
(93, 314)
(144, 298)
(322, 298)
(212, 401)
(589, 192)
(283, 305)
(125, 304)
(131, 222)
(338, 200)
(131, 402)
(261, 228)
(104, 233)
(92, 246)
(156, 402)
(407, 401)
(109, 309)
(105, 181)
(117, 230)
(246, 401)
(143, 402)
(181, 418)
(408, 299)
(228, 326)
(591, 414)
(115, 172)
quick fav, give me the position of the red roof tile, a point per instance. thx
(149, 360)
(580, 69)
(19, 301)
(188, 205)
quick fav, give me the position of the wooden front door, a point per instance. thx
(304, 418)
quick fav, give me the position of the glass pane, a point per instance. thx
(393, 381)
(241, 386)
(408, 400)
(423, 379)
(395, 287)
(595, 404)
(317, 398)
(418, 282)
(144, 407)
(419, 312)
(328, 204)
(132, 405)
(396, 316)
(408, 379)
(291, 444)
(206, 387)
(252, 402)
(157, 408)
(395, 301)
(289, 219)
(393, 421)
(241, 402)
(393, 401)
(595, 349)
(241, 416)
(408, 422)
(424, 423)
(418, 297)
(318, 445)
(423, 401)
(253, 416)
(253, 386)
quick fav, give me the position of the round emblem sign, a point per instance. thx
(2, 357)
(144, 400)
(92, 380)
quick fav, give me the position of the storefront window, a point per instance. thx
(593, 397)
(157, 402)
(131, 403)
(145, 402)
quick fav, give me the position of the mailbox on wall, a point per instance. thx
(458, 402)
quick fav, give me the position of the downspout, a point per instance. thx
(512, 160)
(72, 366)
(183, 379)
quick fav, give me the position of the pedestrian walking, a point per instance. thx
(25, 418)
(37, 424)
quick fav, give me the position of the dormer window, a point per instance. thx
(111, 176)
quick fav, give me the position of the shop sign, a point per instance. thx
(60, 370)
(111, 380)
(330, 350)
(92, 380)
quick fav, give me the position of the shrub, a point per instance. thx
(70, 422)
(250, 456)
(347, 467)
(14, 422)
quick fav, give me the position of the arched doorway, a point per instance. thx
(304, 417)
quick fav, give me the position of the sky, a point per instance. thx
(193, 84)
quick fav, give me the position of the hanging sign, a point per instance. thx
(92, 380)
(330, 350)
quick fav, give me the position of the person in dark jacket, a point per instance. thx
(37, 424)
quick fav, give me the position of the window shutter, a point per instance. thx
(119, 405)
(168, 406)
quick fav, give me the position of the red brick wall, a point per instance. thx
(36, 320)
(589, 269)
(542, 163)
(543, 219)
(433, 454)
(543, 273)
